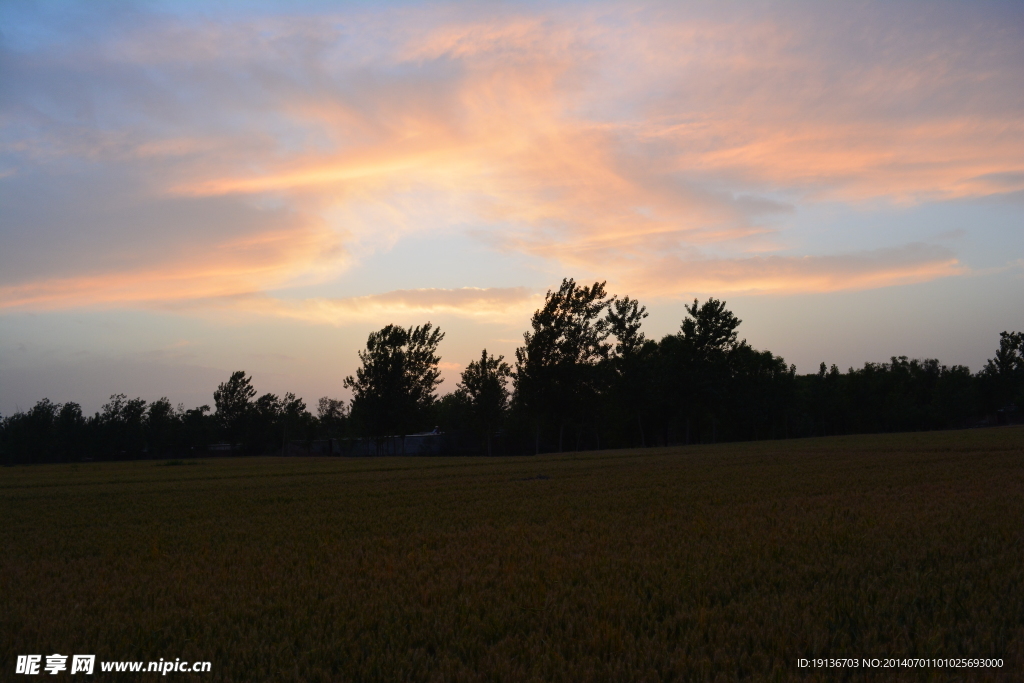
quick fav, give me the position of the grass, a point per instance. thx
(698, 563)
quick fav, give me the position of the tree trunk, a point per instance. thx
(640, 423)
(536, 440)
(561, 433)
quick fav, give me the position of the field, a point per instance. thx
(697, 563)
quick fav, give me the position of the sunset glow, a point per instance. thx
(326, 169)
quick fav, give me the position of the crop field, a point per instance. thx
(715, 562)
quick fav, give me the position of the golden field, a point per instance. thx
(716, 562)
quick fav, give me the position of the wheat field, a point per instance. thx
(716, 562)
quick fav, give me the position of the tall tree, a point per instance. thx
(161, 422)
(1003, 375)
(394, 387)
(198, 429)
(695, 365)
(266, 431)
(35, 431)
(295, 419)
(70, 431)
(234, 401)
(628, 362)
(122, 423)
(555, 368)
(759, 392)
(484, 383)
(332, 415)
(710, 330)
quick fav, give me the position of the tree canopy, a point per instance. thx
(586, 370)
(233, 400)
(484, 384)
(554, 376)
(393, 388)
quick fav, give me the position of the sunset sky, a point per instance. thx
(191, 188)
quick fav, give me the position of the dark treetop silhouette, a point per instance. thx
(585, 377)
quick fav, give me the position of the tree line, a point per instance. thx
(585, 377)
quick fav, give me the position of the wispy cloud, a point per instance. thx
(908, 264)
(468, 302)
(226, 268)
(658, 147)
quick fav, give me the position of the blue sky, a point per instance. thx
(188, 189)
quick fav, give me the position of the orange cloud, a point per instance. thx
(508, 144)
(909, 264)
(492, 303)
(630, 143)
(240, 266)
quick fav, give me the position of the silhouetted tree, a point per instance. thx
(825, 402)
(29, 437)
(161, 424)
(555, 368)
(70, 435)
(295, 419)
(759, 395)
(484, 383)
(333, 417)
(709, 338)
(629, 362)
(276, 421)
(692, 370)
(198, 428)
(122, 426)
(1002, 378)
(233, 400)
(393, 389)
(710, 330)
(453, 412)
(585, 362)
(267, 432)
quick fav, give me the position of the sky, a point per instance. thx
(193, 188)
